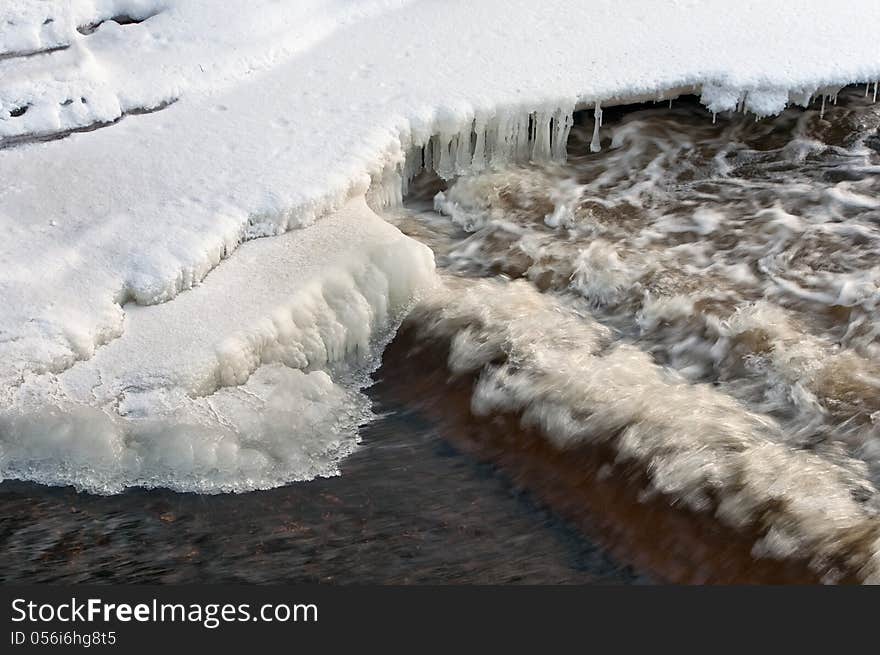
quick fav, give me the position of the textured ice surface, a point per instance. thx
(227, 387)
(142, 141)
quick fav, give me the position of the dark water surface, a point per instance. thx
(406, 509)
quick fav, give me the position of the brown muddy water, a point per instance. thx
(657, 362)
(692, 314)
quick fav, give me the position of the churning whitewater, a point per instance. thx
(702, 295)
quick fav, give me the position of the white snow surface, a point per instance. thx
(191, 127)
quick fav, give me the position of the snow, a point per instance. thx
(192, 127)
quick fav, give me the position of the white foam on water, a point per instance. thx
(562, 373)
(708, 309)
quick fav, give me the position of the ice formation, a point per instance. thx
(225, 389)
(143, 141)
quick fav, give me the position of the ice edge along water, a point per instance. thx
(258, 395)
(473, 141)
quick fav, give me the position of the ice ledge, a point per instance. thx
(250, 381)
(455, 144)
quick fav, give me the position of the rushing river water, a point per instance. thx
(701, 297)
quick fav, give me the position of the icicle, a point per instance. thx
(506, 140)
(428, 155)
(541, 138)
(714, 115)
(822, 109)
(386, 188)
(436, 148)
(562, 122)
(867, 88)
(499, 138)
(463, 154)
(595, 145)
(478, 162)
(875, 90)
(495, 140)
(507, 129)
(490, 130)
(445, 163)
(523, 149)
(412, 166)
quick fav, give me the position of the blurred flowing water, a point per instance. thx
(700, 298)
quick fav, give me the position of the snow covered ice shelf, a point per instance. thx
(227, 387)
(137, 153)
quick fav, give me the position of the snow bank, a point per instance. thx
(192, 127)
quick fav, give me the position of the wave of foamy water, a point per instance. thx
(702, 296)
